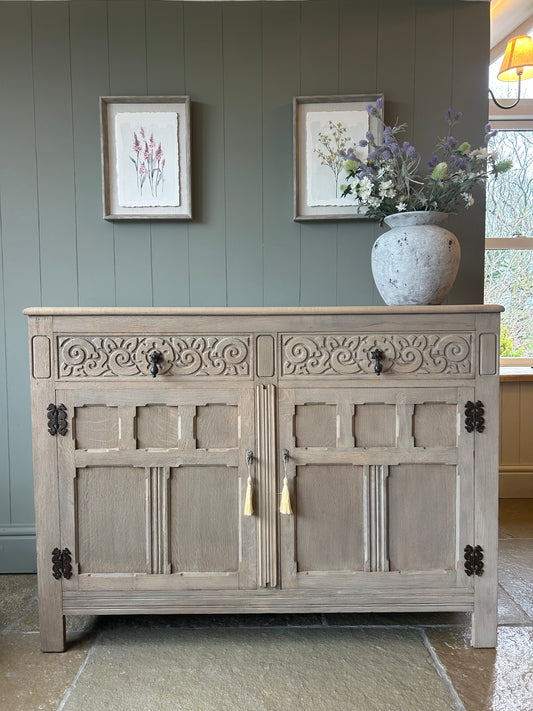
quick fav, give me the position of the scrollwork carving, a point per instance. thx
(350, 354)
(119, 356)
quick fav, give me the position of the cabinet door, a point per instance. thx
(153, 487)
(381, 483)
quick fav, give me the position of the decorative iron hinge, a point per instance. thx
(474, 416)
(61, 563)
(57, 419)
(473, 560)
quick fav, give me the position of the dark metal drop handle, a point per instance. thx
(155, 358)
(378, 356)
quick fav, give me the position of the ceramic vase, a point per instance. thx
(416, 261)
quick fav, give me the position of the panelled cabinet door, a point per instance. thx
(153, 487)
(381, 484)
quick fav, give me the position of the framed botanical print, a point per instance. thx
(325, 129)
(146, 161)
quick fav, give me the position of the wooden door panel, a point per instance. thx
(111, 508)
(157, 426)
(375, 425)
(422, 517)
(379, 493)
(204, 514)
(329, 517)
(97, 427)
(154, 484)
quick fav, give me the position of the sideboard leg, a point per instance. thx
(484, 629)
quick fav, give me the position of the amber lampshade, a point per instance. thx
(517, 60)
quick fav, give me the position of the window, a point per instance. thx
(509, 243)
(509, 224)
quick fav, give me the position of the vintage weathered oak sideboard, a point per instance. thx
(153, 426)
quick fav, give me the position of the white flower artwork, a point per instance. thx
(327, 133)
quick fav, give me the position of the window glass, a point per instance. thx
(509, 215)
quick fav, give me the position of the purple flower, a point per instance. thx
(342, 154)
(449, 114)
(146, 151)
(372, 155)
(372, 111)
(411, 152)
(142, 132)
(159, 152)
(458, 116)
(142, 169)
(386, 155)
(152, 141)
(136, 144)
(488, 128)
(363, 143)
(379, 103)
(351, 156)
(451, 143)
(369, 136)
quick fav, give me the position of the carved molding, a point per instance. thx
(350, 354)
(127, 356)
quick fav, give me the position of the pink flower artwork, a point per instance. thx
(151, 168)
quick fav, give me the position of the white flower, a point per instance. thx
(386, 189)
(401, 206)
(364, 188)
(469, 200)
(480, 153)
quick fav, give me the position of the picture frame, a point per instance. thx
(146, 157)
(323, 125)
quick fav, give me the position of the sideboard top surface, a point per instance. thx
(255, 310)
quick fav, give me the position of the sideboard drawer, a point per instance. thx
(354, 354)
(129, 356)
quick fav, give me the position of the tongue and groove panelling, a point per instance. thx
(241, 64)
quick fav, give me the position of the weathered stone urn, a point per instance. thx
(416, 261)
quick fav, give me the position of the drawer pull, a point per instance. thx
(285, 505)
(249, 500)
(155, 358)
(378, 356)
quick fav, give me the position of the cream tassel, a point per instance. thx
(285, 505)
(248, 501)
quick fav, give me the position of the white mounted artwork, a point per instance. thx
(146, 157)
(325, 129)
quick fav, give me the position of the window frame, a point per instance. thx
(519, 118)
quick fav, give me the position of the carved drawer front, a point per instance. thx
(360, 354)
(153, 356)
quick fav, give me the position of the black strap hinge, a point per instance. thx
(61, 563)
(57, 419)
(474, 416)
(473, 560)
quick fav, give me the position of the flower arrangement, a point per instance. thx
(387, 180)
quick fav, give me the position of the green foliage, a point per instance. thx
(507, 349)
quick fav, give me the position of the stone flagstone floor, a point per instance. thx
(379, 662)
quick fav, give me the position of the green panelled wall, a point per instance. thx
(241, 64)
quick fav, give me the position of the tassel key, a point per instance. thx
(248, 501)
(285, 505)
